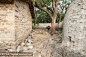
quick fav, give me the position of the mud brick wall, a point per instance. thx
(74, 27)
(23, 19)
(7, 22)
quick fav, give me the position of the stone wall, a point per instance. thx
(7, 22)
(74, 28)
(15, 21)
(23, 19)
(44, 25)
(39, 42)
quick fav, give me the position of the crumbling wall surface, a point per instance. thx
(74, 26)
(7, 24)
(23, 19)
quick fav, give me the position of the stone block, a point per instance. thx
(2, 12)
(2, 50)
(18, 48)
(13, 47)
(25, 48)
(11, 50)
(30, 47)
(81, 12)
(28, 44)
(43, 52)
(22, 44)
(77, 16)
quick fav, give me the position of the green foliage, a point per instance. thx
(42, 2)
(44, 17)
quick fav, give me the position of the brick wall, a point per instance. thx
(23, 19)
(7, 22)
(15, 21)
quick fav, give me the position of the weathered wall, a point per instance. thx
(44, 25)
(23, 19)
(7, 22)
(74, 26)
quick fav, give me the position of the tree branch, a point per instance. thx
(56, 8)
(53, 4)
(43, 10)
(48, 8)
(60, 17)
(61, 6)
(57, 2)
(33, 2)
(35, 19)
(10, 0)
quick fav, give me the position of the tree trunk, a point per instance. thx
(35, 20)
(59, 21)
(60, 18)
(35, 23)
(52, 29)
